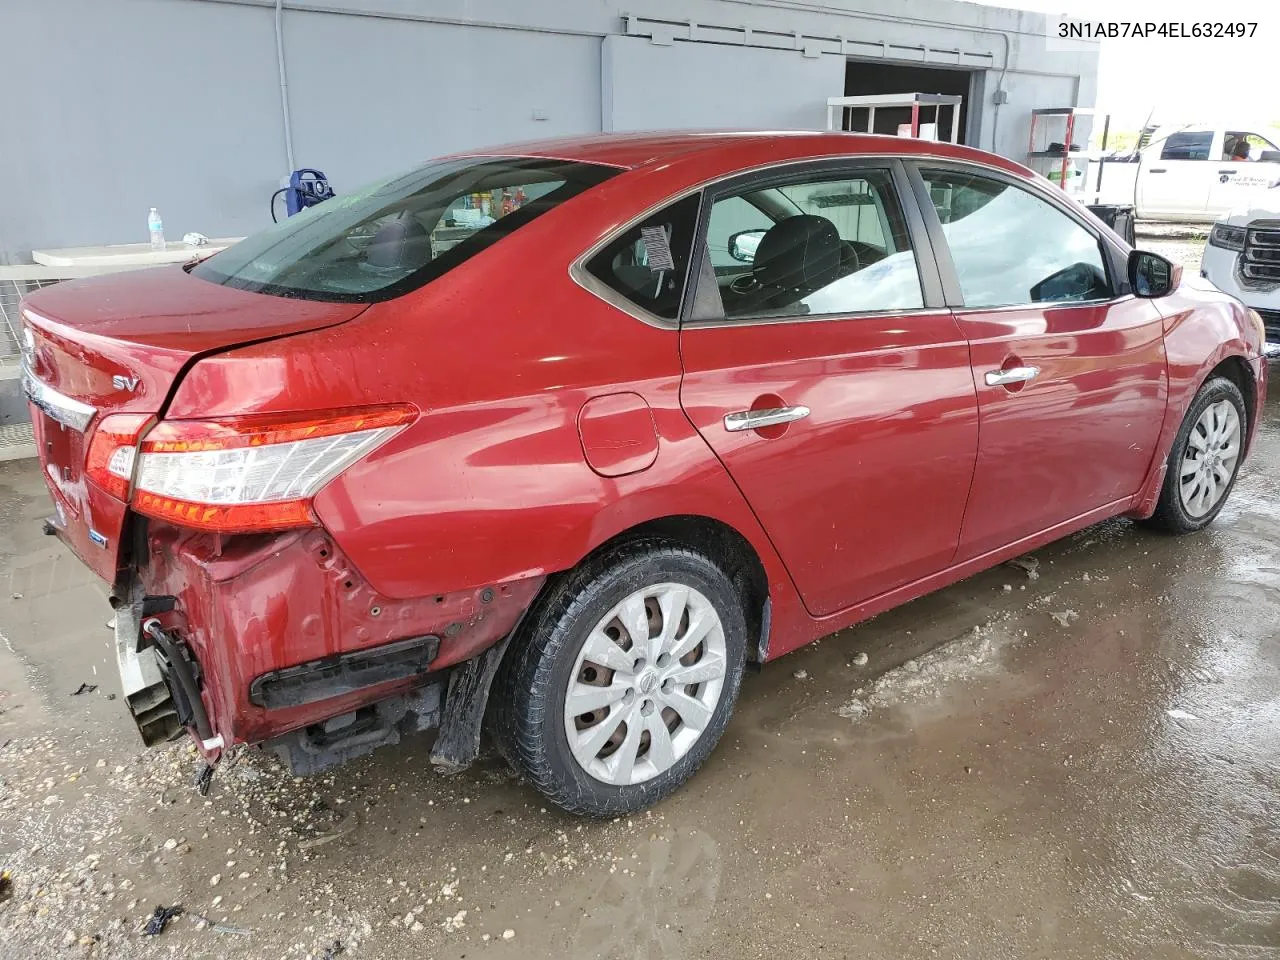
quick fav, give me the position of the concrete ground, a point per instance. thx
(1080, 760)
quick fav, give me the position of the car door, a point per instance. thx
(1242, 173)
(823, 370)
(1175, 183)
(1069, 368)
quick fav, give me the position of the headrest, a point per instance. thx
(798, 253)
(402, 243)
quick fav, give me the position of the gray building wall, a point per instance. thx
(648, 86)
(128, 104)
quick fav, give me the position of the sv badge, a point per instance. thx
(121, 382)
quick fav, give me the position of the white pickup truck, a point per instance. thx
(1242, 258)
(1194, 173)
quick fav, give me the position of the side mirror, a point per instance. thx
(743, 244)
(1151, 275)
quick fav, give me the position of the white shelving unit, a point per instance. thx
(840, 110)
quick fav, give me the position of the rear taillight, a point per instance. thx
(112, 451)
(253, 473)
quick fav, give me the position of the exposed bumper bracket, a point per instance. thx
(334, 676)
(145, 692)
(179, 671)
(322, 746)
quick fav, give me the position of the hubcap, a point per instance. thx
(646, 684)
(1209, 462)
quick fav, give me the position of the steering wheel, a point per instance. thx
(850, 260)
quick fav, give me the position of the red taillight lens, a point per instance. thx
(190, 436)
(227, 518)
(254, 473)
(112, 451)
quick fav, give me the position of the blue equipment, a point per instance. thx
(306, 188)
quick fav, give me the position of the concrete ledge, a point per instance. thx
(15, 415)
(17, 442)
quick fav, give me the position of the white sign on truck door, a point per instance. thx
(1242, 172)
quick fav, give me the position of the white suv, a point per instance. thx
(1242, 258)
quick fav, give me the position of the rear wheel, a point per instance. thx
(1205, 459)
(624, 680)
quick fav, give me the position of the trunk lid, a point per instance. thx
(118, 344)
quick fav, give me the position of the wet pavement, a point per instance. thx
(1077, 761)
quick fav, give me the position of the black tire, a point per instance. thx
(1171, 516)
(530, 690)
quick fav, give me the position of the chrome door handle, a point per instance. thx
(1000, 378)
(755, 419)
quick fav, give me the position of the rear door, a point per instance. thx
(1069, 369)
(1175, 176)
(823, 370)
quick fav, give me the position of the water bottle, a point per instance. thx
(155, 226)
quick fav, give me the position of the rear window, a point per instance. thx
(398, 234)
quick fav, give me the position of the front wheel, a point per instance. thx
(1205, 459)
(623, 682)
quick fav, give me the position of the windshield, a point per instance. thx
(398, 234)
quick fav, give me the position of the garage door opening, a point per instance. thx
(866, 78)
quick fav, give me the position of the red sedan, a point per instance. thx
(566, 434)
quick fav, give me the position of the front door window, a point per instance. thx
(1011, 247)
(1241, 145)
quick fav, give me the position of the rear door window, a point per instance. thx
(398, 234)
(1187, 146)
(829, 246)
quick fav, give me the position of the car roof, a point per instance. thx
(632, 150)
(1244, 126)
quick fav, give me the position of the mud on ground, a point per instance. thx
(1075, 760)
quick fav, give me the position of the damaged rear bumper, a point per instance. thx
(146, 691)
(278, 640)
